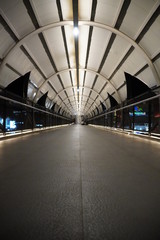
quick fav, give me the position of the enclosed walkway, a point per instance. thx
(79, 183)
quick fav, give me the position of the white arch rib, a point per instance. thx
(81, 69)
(85, 23)
(79, 87)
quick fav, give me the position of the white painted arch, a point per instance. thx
(85, 23)
(81, 69)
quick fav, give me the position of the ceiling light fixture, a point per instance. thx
(76, 31)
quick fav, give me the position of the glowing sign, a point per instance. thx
(138, 111)
(1, 121)
(12, 124)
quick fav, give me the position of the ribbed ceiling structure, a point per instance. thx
(78, 51)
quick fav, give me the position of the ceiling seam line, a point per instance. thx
(8, 29)
(13, 69)
(34, 20)
(76, 40)
(72, 70)
(142, 69)
(81, 23)
(81, 105)
(63, 102)
(113, 36)
(73, 95)
(55, 92)
(80, 86)
(64, 36)
(93, 14)
(24, 50)
(138, 39)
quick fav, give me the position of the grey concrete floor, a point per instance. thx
(79, 183)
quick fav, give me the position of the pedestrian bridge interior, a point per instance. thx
(80, 119)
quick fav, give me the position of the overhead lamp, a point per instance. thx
(77, 89)
(76, 31)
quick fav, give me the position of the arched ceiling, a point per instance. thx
(115, 36)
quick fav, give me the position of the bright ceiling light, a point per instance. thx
(76, 31)
(77, 89)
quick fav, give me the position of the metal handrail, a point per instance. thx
(29, 106)
(127, 106)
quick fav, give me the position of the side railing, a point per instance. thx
(141, 117)
(21, 116)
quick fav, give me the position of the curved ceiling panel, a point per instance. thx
(77, 71)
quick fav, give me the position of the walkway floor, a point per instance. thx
(79, 183)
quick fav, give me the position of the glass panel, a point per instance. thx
(39, 119)
(53, 120)
(14, 120)
(141, 117)
(155, 116)
(2, 109)
(119, 119)
(48, 120)
(27, 118)
(110, 120)
(114, 119)
(128, 118)
(101, 121)
(18, 117)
